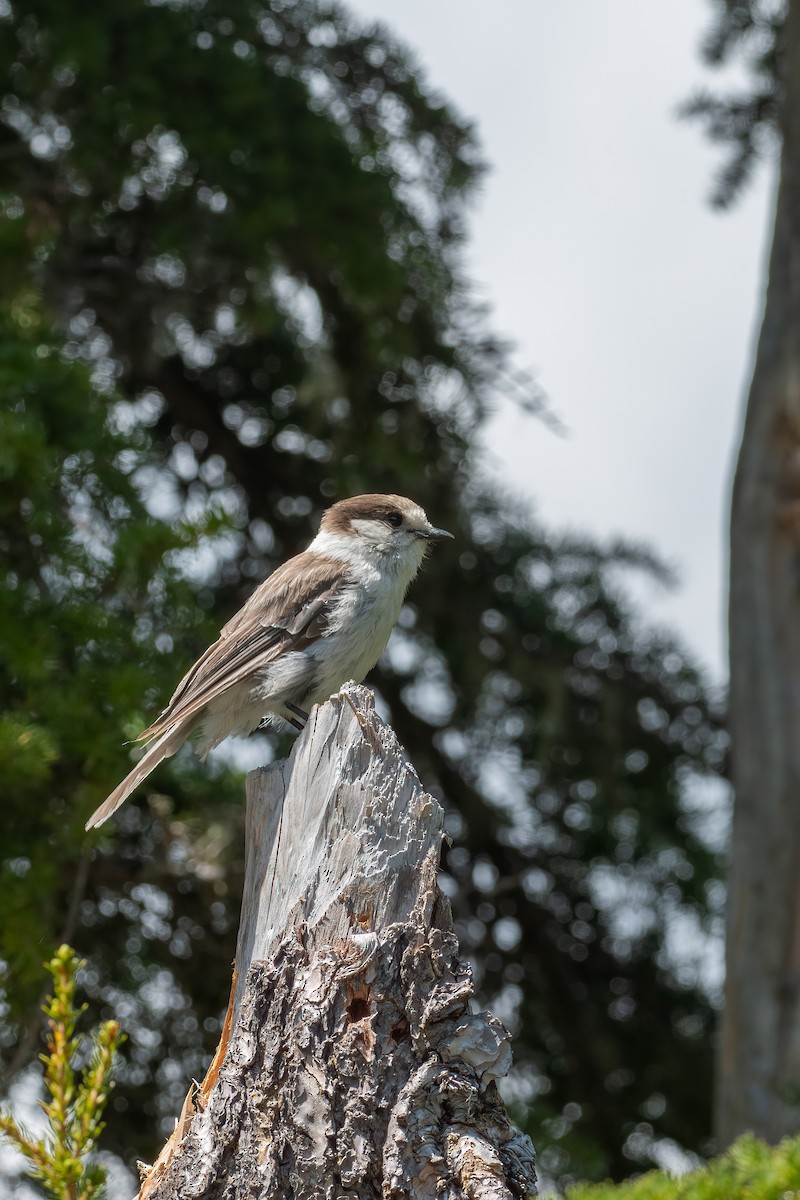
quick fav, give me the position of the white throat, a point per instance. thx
(368, 559)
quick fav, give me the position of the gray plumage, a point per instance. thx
(320, 619)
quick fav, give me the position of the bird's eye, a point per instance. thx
(395, 520)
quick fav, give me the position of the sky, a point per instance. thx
(633, 302)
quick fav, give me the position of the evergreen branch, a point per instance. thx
(75, 1108)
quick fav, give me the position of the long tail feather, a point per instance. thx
(170, 741)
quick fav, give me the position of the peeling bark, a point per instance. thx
(351, 1064)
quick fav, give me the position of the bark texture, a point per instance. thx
(758, 1083)
(351, 1064)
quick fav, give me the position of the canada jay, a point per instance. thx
(322, 618)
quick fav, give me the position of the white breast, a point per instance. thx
(360, 629)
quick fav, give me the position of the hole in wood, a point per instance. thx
(400, 1030)
(358, 1008)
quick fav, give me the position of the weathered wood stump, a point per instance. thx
(350, 1064)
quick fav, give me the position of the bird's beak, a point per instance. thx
(434, 535)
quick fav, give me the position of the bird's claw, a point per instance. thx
(300, 716)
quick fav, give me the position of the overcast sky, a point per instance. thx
(635, 304)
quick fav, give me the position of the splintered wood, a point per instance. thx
(351, 1065)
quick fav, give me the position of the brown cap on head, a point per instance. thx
(396, 512)
(372, 507)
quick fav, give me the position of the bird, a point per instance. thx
(320, 619)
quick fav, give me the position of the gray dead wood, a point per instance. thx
(351, 1064)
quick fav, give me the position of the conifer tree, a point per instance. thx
(234, 293)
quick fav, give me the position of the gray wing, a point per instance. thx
(289, 611)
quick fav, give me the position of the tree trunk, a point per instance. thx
(350, 1064)
(758, 1082)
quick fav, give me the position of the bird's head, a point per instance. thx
(392, 528)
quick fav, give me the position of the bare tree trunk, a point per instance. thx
(351, 1064)
(758, 1085)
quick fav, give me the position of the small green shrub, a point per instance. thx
(60, 1159)
(750, 1170)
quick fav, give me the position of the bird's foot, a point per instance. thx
(300, 716)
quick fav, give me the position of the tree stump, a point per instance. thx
(350, 1064)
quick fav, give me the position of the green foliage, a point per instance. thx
(87, 601)
(746, 120)
(233, 292)
(74, 1111)
(750, 1170)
